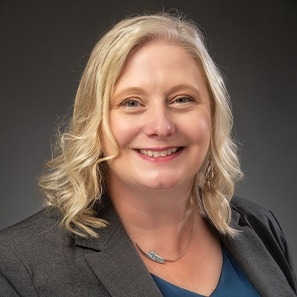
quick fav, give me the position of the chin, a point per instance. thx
(161, 184)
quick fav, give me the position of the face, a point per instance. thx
(160, 117)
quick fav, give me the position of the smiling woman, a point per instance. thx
(160, 91)
(140, 191)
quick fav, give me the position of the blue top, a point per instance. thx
(232, 283)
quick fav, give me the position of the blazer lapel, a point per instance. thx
(258, 264)
(115, 261)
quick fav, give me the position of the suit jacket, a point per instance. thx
(39, 258)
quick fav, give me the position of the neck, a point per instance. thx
(151, 209)
(151, 215)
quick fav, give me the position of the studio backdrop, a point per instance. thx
(44, 47)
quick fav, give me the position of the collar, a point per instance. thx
(114, 260)
(251, 252)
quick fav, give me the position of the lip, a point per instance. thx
(159, 154)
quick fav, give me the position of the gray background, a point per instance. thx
(44, 47)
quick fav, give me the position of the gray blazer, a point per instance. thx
(39, 258)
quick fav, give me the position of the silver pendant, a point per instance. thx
(155, 257)
(152, 256)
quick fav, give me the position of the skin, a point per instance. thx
(160, 117)
(160, 104)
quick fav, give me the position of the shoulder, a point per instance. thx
(261, 233)
(40, 230)
(29, 246)
(252, 212)
(39, 220)
(39, 256)
(247, 205)
(261, 220)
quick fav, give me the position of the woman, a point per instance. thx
(139, 193)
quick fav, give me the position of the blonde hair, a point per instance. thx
(75, 180)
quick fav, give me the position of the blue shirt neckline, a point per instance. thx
(232, 282)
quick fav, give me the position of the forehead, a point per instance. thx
(159, 61)
(163, 48)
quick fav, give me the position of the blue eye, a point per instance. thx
(130, 103)
(183, 99)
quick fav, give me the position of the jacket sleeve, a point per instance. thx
(263, 228)
(15, 279)
(279, 235)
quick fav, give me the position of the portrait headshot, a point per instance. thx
(148, 149)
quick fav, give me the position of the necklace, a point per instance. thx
(151, 255)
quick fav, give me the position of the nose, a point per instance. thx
(159, 122)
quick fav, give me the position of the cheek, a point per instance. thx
(124, 130)
(201, 129)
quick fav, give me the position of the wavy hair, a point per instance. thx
(75, 178)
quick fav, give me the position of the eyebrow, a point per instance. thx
(129, 90)
(138, 90)
(176, 88)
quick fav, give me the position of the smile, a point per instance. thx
(158, 154)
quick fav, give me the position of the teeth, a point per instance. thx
(157, 154)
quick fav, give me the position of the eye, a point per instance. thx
(130, 103)
(183, 99)
(183, 102)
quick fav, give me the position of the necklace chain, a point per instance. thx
(151, 255)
